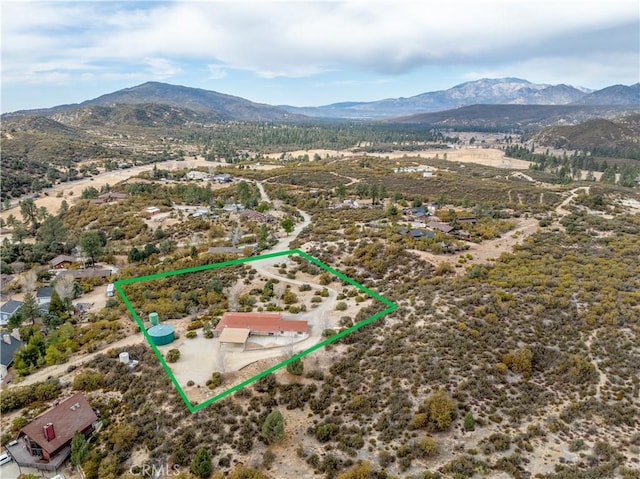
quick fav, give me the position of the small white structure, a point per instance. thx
(110, 290)
(196, 175)
(124, 357)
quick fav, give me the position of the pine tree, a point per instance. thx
(273, 427)
(79, 448)
(201, 465)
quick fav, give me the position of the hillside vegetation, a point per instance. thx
(618, 137)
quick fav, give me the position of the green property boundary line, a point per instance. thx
(193, 408)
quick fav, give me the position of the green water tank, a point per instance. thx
(154, 319)
(161, 334)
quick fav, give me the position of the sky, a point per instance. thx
(306, 53)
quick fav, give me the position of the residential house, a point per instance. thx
(90, 273)
(43, 295)
(233, 207)
(417, 213)
(196, 175)
(467, 220)
(410, 169)
(108, 197)
(45, 443)
(8, 309)
(152, 210)
(8, 347)
(62, 261)
(416, 233)
(201, 213)
(438, 226)
(252, 215)
(235, 327)
(223, 178)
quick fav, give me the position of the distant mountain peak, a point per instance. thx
(485, 91)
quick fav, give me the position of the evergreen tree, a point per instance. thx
(57, 306)
(201, 465)
(92, 243)
(28, 312)
(273, 427)
(79, 448)
(287, 225)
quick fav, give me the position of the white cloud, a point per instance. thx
(162, 68)
(298, 39)
(216, 72)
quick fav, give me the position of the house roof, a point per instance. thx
(234, 335)
(71, 415)
(46, 292)
(7, 350)
(11, 307)
(421, 233)
(62, 258)
(113, 195)
(260, 322)
(444, 227)
(90, 273)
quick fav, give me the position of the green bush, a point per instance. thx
(173, 355)
(295, 367)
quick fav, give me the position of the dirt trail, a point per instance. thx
(561, 208)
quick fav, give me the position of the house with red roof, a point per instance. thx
(45, 443)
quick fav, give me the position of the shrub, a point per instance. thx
(341, 306)
(192, 334)
(173, 355)
(295, 367)
(88, 381)
(469, 422)
(326, 431)
(215, 381)
(273, 427)
(426, 447)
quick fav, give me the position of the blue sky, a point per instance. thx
(310, 53)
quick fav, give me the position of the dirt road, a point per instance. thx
(60, 370)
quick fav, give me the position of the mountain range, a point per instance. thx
(184, 105)
(502, 91)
